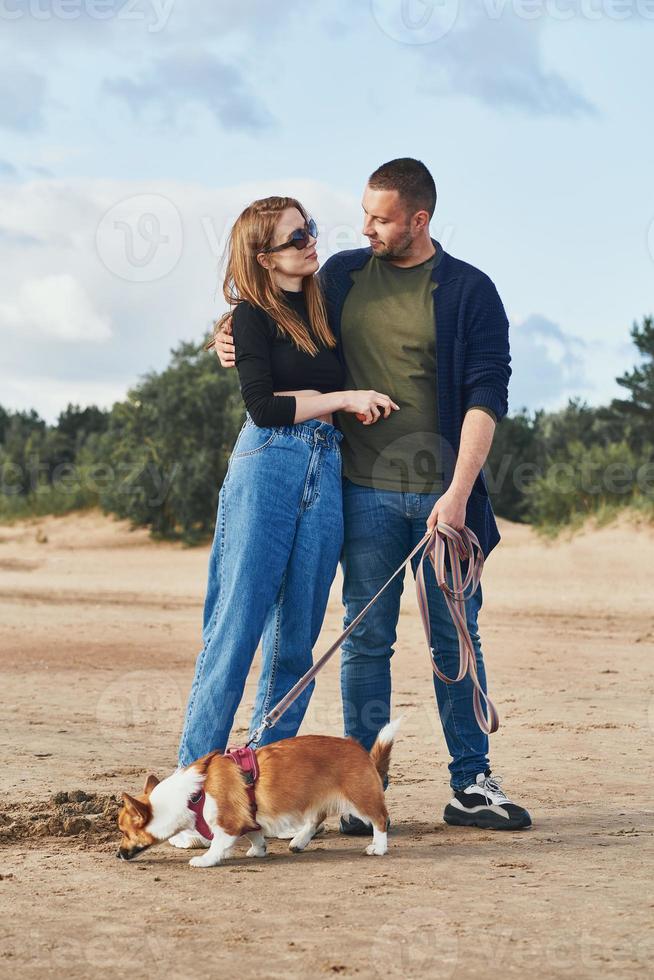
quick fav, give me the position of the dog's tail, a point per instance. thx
(380, 753)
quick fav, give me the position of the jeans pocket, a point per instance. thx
(253, 439)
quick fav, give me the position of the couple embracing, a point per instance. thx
(372, 390)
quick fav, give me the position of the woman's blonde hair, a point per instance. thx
(246, 279)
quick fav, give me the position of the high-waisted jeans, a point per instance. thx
(276, 547)
(381, 528)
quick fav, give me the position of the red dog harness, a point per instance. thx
(246, 761)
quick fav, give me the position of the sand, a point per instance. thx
(99, 630)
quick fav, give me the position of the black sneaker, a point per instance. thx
(354, 827)
(484, 804)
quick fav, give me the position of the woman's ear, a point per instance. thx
(263, 260)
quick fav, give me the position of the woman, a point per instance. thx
(279, 528)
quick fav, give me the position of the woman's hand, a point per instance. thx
(369, 405)
(223, 344)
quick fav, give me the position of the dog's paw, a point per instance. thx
(288, 834)
(257, 852)
(375, 849)
(203, 861)
(188, 838)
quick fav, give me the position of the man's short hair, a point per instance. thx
(411, 179)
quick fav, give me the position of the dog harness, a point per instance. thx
(246, 760)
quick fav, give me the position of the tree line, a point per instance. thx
(159, 457)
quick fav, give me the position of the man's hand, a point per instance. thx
(224, 345)
(476, 439)
(449, 509)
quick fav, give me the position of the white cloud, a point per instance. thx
(7, 169)
(50, 396)
(191, 78)
(49, 245)
(22, 99)
(551, 365)
(55, 307)
(497, 58)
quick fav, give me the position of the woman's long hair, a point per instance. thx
(246, 279)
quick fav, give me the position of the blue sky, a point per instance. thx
(132, 133)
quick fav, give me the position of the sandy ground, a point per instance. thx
(99, 631)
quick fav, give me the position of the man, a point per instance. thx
(431, 331)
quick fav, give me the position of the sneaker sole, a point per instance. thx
(486, 821)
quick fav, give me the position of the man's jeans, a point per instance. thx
(275, 552)
(381, 528)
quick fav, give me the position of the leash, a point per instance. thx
(459, 547)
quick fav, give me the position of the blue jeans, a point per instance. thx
(381, 528)
(276, 547)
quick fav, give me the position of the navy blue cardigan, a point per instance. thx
(472, 357)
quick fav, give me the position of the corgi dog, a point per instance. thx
(301, 781)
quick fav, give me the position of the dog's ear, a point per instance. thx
(137, 809)
(150, 782)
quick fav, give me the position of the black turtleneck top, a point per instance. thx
(268, 361)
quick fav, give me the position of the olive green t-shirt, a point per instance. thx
(389, 345)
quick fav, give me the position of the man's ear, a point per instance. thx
(150, 782)
(138, 810)
(422, 219)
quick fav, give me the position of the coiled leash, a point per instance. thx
(459, 546)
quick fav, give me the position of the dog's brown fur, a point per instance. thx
(309, 776)
(297, 774)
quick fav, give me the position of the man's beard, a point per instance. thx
(398, 250)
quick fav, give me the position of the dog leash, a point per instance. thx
(459, 547)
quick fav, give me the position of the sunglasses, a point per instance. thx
(299, 238)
